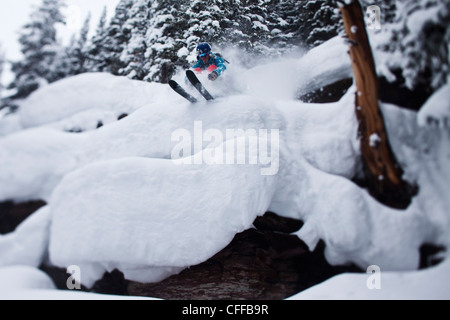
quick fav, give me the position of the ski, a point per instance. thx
(179, 89)
(198, 85)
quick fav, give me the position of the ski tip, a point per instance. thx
(190, 74)
(174, 85)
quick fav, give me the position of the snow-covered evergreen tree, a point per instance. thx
(95, 59)
(108, 44)
(207, 21)
(133, 54)
(2, 64)
(419, 45)
(253, 27)
(39, 47)
(78, 51)
(176, 27)
(319, 20)
(164, 39)
(72, 60)
(425, 46)
(263, 28)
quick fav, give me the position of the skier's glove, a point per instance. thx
(213, 76)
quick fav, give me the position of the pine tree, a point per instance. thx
(133, 55)
(176, 27)
(425, 48)
(251, 30)
(164, 39)
(420, 33)
(117, 38)
(96, 60)
(2, 64)
(72, 59)
(203, 21)
(319, 20)
(79, 51)
(39, 48)
(109, 41)
(148, 39)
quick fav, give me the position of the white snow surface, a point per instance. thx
(429, 284)
(117, 199)
(436, 111)
(93, 92)
(24, 277)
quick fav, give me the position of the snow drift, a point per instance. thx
(117, 199)
(96, 91)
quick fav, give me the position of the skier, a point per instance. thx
(212, 63)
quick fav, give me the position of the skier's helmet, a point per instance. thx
(203, 49)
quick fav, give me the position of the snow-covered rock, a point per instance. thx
(33, 162)
(176, 216)
(28, 245)
(19, 277)
(417, 285)
(100, 91)
(9, 123)
(436, 111)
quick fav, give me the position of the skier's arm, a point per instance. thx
(220, 64)
(197, 67)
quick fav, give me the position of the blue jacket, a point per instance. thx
(215, 63)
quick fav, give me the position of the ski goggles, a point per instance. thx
(201, 55)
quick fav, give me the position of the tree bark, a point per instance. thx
(382, 170)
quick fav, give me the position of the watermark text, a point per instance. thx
(228, 147)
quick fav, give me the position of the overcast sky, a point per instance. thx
(15, 13)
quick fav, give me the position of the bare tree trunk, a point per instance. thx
(381, 167)
(164, 73)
